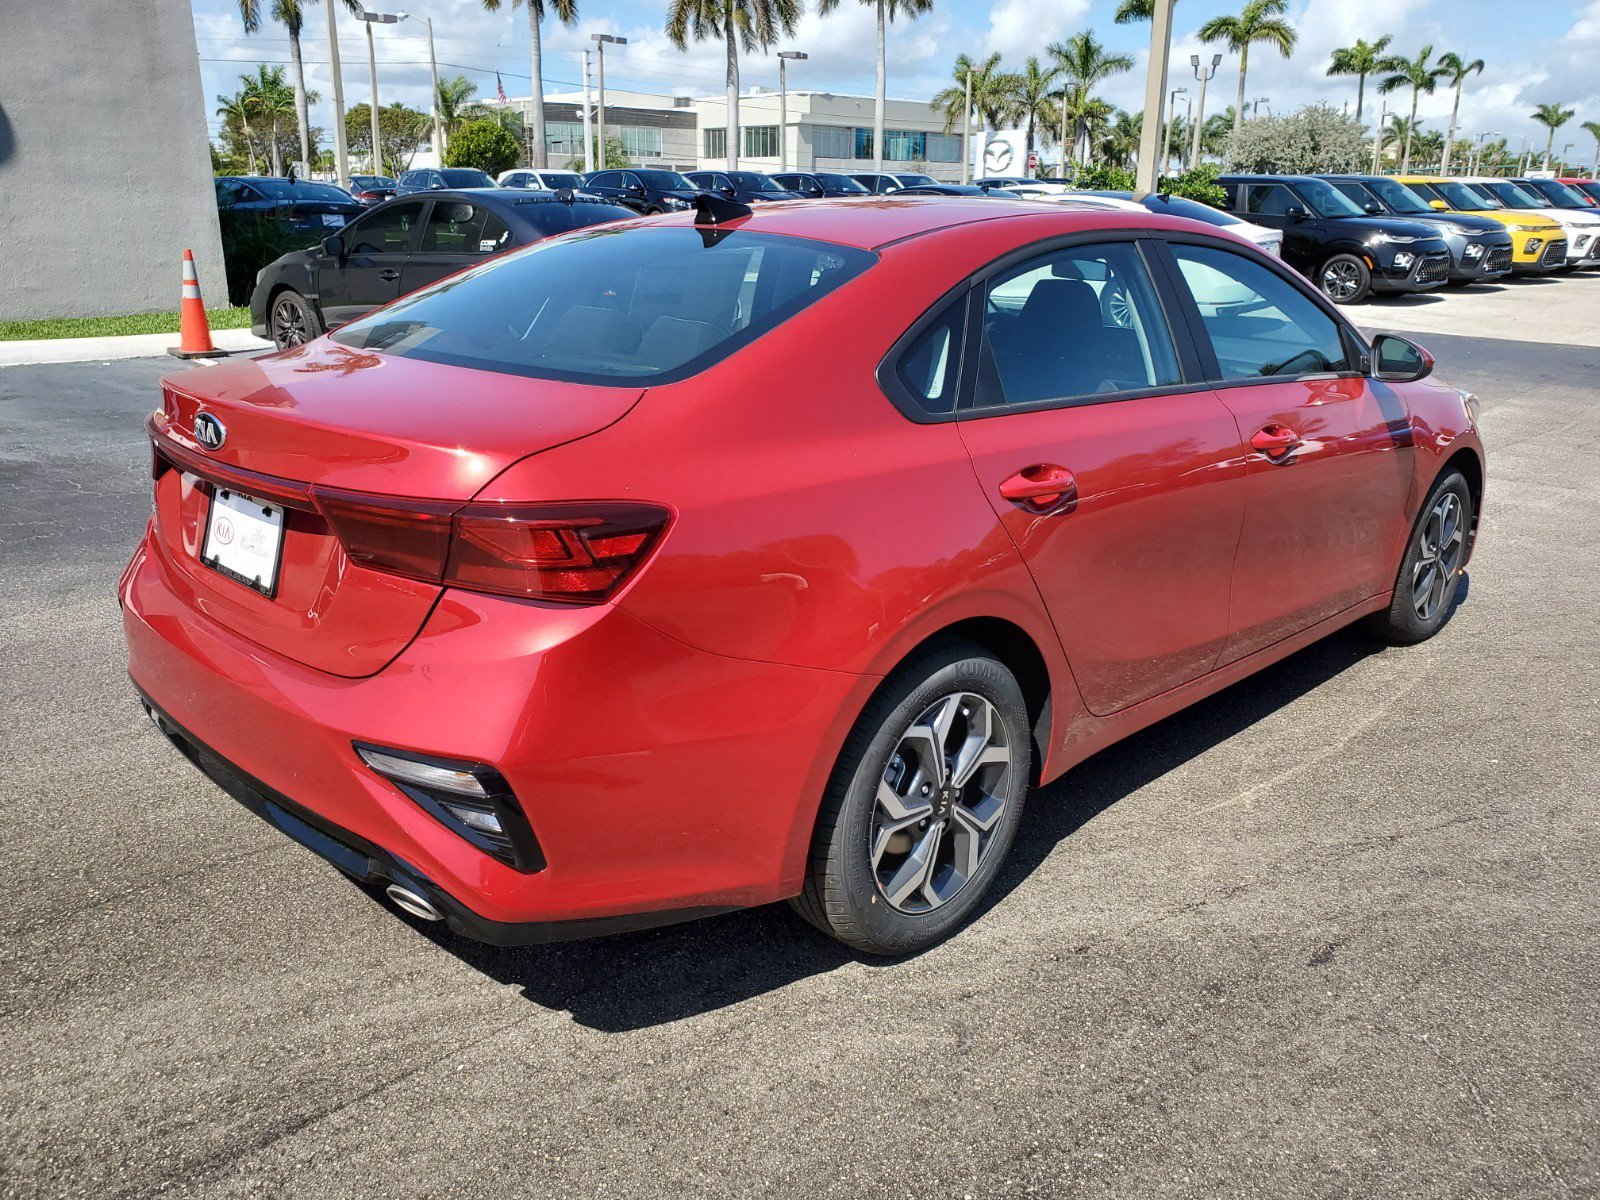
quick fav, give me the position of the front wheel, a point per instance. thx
(1430, 573)
(1345, 279)
(923, 805)
(292, 322)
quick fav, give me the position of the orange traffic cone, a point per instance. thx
(194, 332)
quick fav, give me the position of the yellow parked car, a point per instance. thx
(1538, 244)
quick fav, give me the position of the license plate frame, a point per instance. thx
(245, 546)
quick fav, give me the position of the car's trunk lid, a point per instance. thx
(325, 417)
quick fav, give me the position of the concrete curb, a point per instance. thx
(108, 349)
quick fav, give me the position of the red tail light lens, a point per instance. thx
(579, 552)
(576, 552)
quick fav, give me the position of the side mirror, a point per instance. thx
(730, 191)
(1372, 207)
(333, 247)
(636, 188)
(436, 186)
(1397, 360)
(1438, 205)
(1295, 213)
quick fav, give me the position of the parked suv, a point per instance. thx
(648, 191)
(747, 187)
(1480, 247)
(814, 185)
(1579, 220)
(1538, 243)
(1327, 237)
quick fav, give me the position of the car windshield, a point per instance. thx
(299, 189)
(840, 183)
(1326, 200)
(618, 304)
(1591, 189)
(1398, 197)
(914, 180)
(1456, 195)
(1557, 193)
(463, 177)
(665, 181)
(557, 180)
(753, 181)
(1511, 195)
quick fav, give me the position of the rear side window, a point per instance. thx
(1260, 325)
(930, 367)
(455, 227)
(1269, 200)
(1077, 323)
(613, 304)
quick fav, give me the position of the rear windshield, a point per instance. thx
(617, 304)
(299, 189)
(557, 180)
(665, 181)
(839, 183)
(462, 177)
(1177, 206)
(551, 217)
(754, 181)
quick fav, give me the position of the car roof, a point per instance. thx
(871, 223)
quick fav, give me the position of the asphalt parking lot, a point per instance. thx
(1333, 932)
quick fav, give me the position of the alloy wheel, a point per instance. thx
(1440, 542)
(1341, 280)
(939, 803)
(289, 324)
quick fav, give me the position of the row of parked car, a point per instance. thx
(1352, 235)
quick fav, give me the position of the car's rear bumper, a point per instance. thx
(656, 778)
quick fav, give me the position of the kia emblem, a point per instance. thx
(209, 431)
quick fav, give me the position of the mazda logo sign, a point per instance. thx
(209, 431)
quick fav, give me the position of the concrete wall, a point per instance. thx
(105, 175)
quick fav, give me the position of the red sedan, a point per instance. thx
(718, 559)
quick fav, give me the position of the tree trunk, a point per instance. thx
(1405, 159)
(729, 37)
(881, 98)
(249, 145)
(1450, 134)
(1549, 145)
(1028, 158)
(1361, 94)
(1244, 63)
(536, 65)
(301, 116)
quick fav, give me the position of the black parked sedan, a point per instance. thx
(371, 189)
(746, 187)
(300, 206)
(958, 189)
(813, 185)
(405, 244)
(646, 191)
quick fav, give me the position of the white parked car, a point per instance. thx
(1270, 240)
(540, 181)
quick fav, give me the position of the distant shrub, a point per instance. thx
(485, 145)
(249, 242)
(1199, 183)
(1101, 178)
(1316, 140)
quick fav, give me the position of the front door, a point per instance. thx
(1118, 473)
(1304, 235)
(1329, 450)
(376, 246)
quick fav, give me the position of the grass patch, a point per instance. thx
(77, 327)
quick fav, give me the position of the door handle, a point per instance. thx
(1274, 440)
(388, 274)
(1043, 489)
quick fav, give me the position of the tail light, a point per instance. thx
(579, 552)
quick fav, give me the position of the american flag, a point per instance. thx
(499, 88)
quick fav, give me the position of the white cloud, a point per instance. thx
(1018, 28)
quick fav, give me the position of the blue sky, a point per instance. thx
(1549, 58)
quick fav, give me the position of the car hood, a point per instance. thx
(1465, 220)
(784, 195)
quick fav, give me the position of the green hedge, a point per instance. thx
(251, 241)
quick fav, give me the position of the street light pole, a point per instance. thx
(1204, 75)
(341, 155)
(966, 133)
(1255, 107)
(370, 19)
(1155, 91)
(784, 58)
(601, 40)
(1172, 119)
(433, 73)
(588, 126)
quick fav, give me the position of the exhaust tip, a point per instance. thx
(412, 902)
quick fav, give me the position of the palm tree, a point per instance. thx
(1219, 127)
(1399, 135)
(754, 24)
(1592, 128)
(269, 101)
(1259, 22)
(1456, 71)
(992, 90)
(887, 10)
(1552, 117)
(291, 16)
(567, 13)
(236, 110)
(1031, 99)
(1420, 75)
(1083, 64)
(455, 100)
(1130, 11)
(1119, 142)
(1359, 60)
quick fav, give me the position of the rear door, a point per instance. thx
(1329, 450)
(455, 235)
(1116, 470)
(376, 246)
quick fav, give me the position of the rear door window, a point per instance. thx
(615, 304)
(1074, 324)
(1259, 324)
(1269, 200)
(456, 227)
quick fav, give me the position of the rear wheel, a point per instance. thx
(1344, 279)
(923, 805)
(1430, 573)
(292, 321)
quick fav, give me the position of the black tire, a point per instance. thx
(653, 211)
(1406, 622)
(1344, 279)
(291, 321)
(844, 894)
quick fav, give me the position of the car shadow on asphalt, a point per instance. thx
(653, 977)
